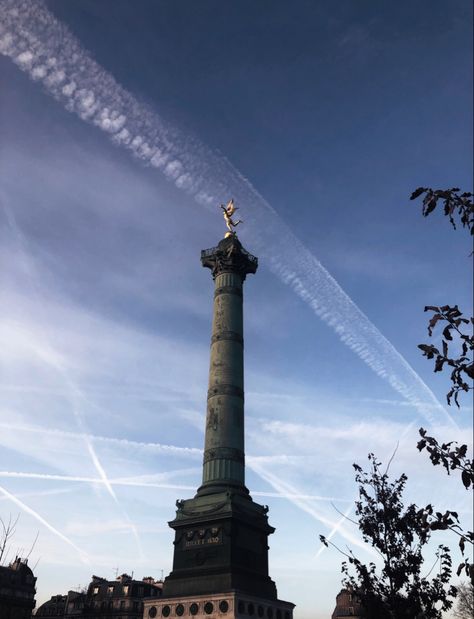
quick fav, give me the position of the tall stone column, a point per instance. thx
(224, 465)
(220, 559)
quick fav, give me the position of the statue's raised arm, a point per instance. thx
(228, 211)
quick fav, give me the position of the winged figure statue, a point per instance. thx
(228, 211)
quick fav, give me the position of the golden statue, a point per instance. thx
(229, 210)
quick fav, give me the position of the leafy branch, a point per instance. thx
(437, 521)
(456, 204)
(450, 455)
(463, 365)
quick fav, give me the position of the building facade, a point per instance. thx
(54, 607)
(220, 563)
(121, 598)
(347, 605)
(17, 590)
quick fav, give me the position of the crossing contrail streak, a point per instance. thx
(39, 518)
(336, 528)
(47, 353)
(44, 48)
(304, 504)
(137, 483)
(90, 480)
(120, 443)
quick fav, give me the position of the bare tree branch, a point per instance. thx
(6, 534)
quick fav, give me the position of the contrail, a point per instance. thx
(31, 512)
(335, 529)
(90, 480)
(38, 493)
(50, 357)
(45, 49)
(46, 353)
(144, 480)
(194, 452)
(293, 496)
(135, 482)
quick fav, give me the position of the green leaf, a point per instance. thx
(430, 206)
(417, 193)
(466, 479)
(433, 322)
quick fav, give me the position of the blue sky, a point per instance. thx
(123, 127)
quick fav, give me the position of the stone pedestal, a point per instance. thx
(221, 543)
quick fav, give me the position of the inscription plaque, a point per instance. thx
(202, 538)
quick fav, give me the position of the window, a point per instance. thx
(194, 609)
(125, 589)
(95, 590)
(140, 590)
(208, 608)
(122, 603)
(110, 590)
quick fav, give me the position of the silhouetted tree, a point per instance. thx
(465, 601)
(459, 208)
(398, 590)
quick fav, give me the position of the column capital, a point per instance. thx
(229, 257)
